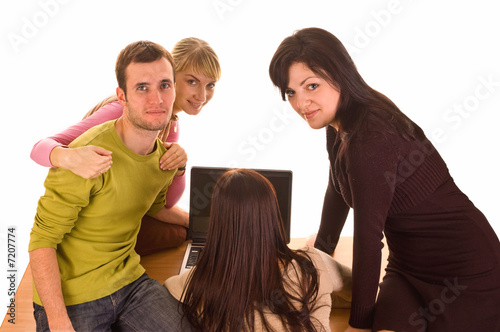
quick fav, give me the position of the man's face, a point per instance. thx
(150, 94)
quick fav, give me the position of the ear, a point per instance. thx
(120, 94)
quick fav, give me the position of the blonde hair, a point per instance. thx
(100, 104)
(196, 54)
(188, 53)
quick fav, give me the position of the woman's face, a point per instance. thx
(312, 97)
(193, 91)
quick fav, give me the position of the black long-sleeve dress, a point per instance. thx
(443, 272)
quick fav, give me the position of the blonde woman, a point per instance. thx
(197, 72)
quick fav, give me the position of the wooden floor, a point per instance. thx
(160, 266)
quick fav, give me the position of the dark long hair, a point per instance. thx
(360, 106)
(238, 275)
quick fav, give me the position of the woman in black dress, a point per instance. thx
(443, 272)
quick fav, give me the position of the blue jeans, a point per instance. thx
(143, 305)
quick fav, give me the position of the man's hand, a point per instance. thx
(45, 271)
(61, 326)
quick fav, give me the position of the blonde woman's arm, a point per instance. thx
(87, 162)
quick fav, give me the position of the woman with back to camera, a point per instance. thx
(197, 72)
(443, 271)
(247, 279)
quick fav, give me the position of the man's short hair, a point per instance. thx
(143, 51)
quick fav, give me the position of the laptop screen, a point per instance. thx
(203, 180)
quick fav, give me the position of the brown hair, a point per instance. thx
(140, 52)
(187, 53)
(238, 275)
(360, 105)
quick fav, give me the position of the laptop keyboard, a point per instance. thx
(193, 256)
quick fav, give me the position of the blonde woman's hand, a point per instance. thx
(175, 157)
(87, 161)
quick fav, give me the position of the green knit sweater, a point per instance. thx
(93, 223)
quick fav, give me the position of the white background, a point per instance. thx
(431, 58)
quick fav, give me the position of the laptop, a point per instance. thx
(203, 180)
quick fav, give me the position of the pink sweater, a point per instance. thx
(41, 150)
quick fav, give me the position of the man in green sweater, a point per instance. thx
(86, 273)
